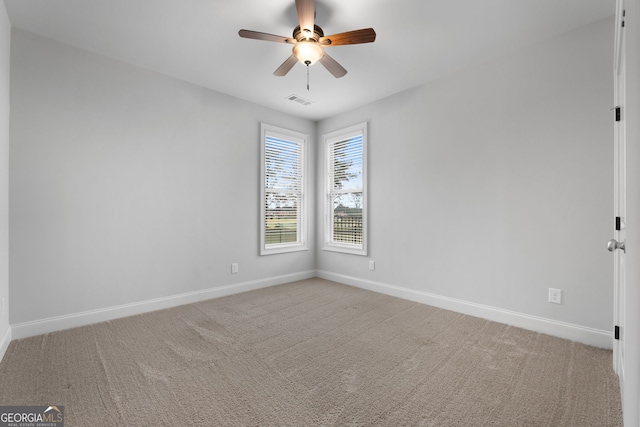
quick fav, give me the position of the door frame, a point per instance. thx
(619, 279)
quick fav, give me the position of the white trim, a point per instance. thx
(619, 186)
(4, 343)
(303, 217)
(52, 324)
(328, 139)
(618, 53)
(582, 334)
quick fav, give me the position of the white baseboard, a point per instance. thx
(4, 343)
(52, 324)
(582, 334)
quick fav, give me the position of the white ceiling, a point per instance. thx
(197, 41)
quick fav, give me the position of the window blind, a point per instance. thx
(346, 161)
(345, 196)
(283, 191)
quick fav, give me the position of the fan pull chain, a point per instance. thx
(308, 63)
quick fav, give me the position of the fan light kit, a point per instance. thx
(308, 52)
(309, 42)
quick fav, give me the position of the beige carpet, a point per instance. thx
(311, 353)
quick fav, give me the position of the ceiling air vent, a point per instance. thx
(299, 100)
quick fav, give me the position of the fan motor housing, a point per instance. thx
(300, 36)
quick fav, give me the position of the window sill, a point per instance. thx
(346, 249)
(284, 249)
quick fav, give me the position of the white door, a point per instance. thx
(619, 234)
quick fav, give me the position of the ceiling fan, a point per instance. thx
(309, 41)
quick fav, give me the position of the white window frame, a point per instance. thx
(302, 139)
(328, 140)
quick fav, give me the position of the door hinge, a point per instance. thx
(618, 224)
(616, 332)
(618, 114)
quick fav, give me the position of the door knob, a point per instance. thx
(614, 244)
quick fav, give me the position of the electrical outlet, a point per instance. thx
(234, 268)
(372, 265)
(555, 296)
(3, 307)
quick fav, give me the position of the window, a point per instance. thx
(345, 190)
(283, 199)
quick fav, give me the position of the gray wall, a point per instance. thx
(496, 183)
(5, 40)
(488, 186)
(128, 185)
(118, 177)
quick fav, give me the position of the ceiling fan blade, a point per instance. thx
(332, 65)
(306, 16)
(366, 35)
(257, 35)
(286, 66)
